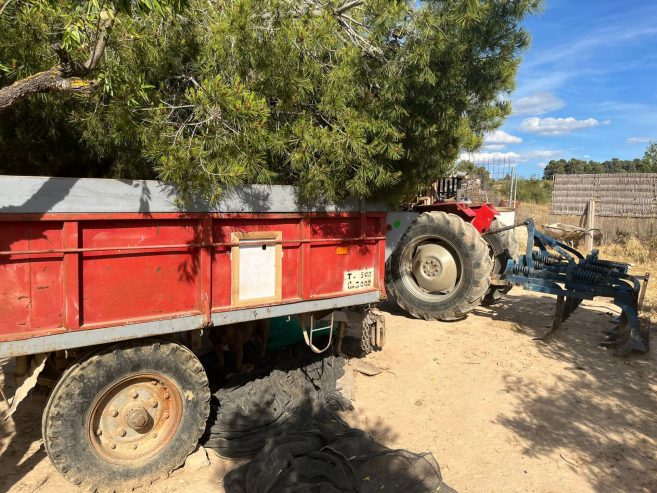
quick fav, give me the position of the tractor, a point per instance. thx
(445, 264)
(445, 257)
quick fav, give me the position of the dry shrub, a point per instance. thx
(642, 255)
(632, 250)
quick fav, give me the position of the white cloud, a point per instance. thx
(639, 140)
(542, 165)
(500, 137)
(510, 156)
(537, 104)
(556, 126)
(541, 154)
(494, 147)
(489, 156)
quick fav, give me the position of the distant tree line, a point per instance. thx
(578, 166)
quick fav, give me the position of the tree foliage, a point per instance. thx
(534, 191)
(650, 157)
(577, 166)
(339, 97)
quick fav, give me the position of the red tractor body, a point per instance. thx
(481, 216)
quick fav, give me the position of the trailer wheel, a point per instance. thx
(502, 248)
(126, 415)
(441, 268)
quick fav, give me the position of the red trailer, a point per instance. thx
(97, 275)
(112, 286)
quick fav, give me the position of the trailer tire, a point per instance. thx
(502, 247)
(410, 273)
(126, 415)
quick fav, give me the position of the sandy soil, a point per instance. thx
(499, 411)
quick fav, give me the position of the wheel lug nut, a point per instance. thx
(153, 403)
(135, 395)
(166, 416)
(99, 432)
(166, 395)
(121, 432)
(112, 445)
(114, 413)
(134, 446)
(154, 435)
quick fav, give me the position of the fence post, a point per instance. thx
(589, 224)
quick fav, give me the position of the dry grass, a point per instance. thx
(540, 213)
(641, 255)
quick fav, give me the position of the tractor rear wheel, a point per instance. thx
(440, 269)
(502, 247)
(126, 415)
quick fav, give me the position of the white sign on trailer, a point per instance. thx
(358, 279)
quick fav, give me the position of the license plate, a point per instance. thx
(358, 279)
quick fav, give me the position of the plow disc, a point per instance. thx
(552, 267)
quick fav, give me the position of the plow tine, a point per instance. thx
(569, 309)
(629, 335)
(618, 336)
(559, 313)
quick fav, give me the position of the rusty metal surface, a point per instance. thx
(135, 418)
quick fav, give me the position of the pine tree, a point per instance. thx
(339, 97)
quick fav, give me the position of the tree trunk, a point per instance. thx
(52, 80)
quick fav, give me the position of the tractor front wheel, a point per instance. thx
(440, 269)
(126, 414)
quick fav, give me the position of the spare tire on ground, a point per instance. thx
(441, 269)
(286, 419)
(325, 454)
(253, 409)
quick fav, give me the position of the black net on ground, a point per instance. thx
(285, 419)
(251, 410)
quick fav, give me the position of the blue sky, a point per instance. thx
(587, 87)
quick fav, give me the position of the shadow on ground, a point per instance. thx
(284, 427)
(601, 413)
(17, 434)
(286, 421)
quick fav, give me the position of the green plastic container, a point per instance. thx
(285, 331)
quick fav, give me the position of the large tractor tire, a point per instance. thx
(440, 269)
(502, 247)
(126, 415)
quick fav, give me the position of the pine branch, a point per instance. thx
(67, 76)
(103, 29)
(4, 6)
(349, 5)
(53, 80)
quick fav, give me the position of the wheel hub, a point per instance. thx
(138, 419)
(434, 268)
(135, 418)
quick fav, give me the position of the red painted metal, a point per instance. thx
(70, 272)
(481, 217)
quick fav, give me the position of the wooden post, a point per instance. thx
(589, 224)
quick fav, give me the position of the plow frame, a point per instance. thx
(552, 267)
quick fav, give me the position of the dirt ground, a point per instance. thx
(500, 411)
